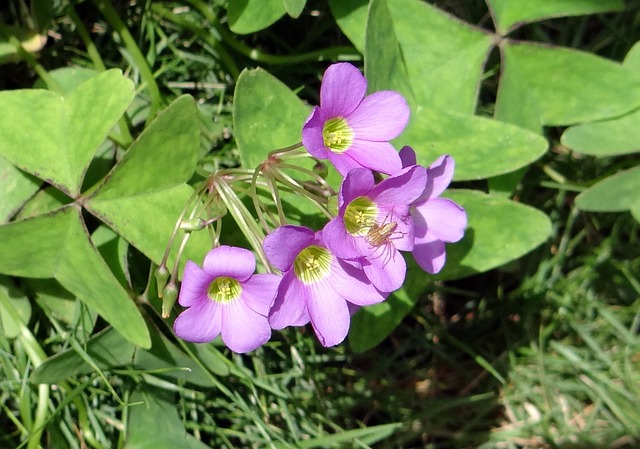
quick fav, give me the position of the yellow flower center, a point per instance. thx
(360, 215)
(312, 264)
(224, 289)
(337, 135)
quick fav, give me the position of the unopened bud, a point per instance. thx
(169, 296)
(162, 275)
(195, 224)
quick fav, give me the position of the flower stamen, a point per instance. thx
(224, 289)
(337, 135)
(360, 215)
(312, 264)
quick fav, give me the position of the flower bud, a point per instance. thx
(195, 224)
(169, 296)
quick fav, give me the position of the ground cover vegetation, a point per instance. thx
(138, 135)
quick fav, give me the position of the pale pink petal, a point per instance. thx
(353, 285)
(381, 116)
(403, 188)
(312, 134)
(358, 182)
(378, 156)
(338, 240)
(386, 269)
(444, 219)
(259, 292)
(343, 162)
(231, 261)
(283, 245)
(290, 305)
(243, 329)
(439, 176)
(329, 313)
(195, 284)
(199, 324)
(342, 89)
(429, 254)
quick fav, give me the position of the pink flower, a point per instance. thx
(436, 220)
(226, 297)
(352, 130)
(373, 223)
(316, 285)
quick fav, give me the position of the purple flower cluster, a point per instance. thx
(355, 260)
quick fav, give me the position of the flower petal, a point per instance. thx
(358, 182)
(386, 269)
(439, 176)
(199, 324)
(231, 261)
(408, 156)
(403, 188)
(444, 219)
(378, 156)
(343, 162)
(329, 313)
(284, 244)
(195, 283)
(243, 329)
(353, 285)
(312, 134)
(381, 116)
(259, 292)
(338, 240)
(429, 254)
(290, 305)
(342, 89)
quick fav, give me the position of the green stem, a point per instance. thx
(109, 12)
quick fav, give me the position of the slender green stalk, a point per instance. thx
(108, 11)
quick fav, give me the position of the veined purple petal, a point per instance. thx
(338, 240)
(386, 269)
(195, 283)
(353, 285)
(408, 156)
(342, 89)
(358, 182)
(284, 244)
(403, 188)
(259, 292)
(444, 219)
(378, 156)
(200, 323)
(439, 176)
(343, 162)
(429, 254)
(231, 261)
(329, 312)
(243, 329)
(290, 305)
(312, 138)
(381, 116)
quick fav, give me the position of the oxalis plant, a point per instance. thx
(329, 219)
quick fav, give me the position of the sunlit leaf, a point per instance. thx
(62, 133)
(508, 15)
